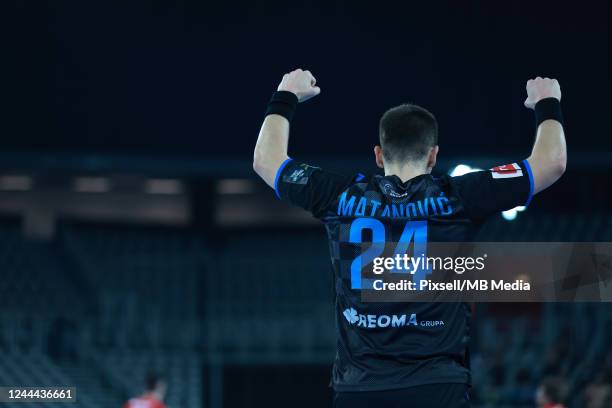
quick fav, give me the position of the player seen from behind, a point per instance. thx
(387, 353)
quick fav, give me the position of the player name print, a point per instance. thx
(506, 171)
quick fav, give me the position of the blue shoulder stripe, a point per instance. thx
(278, 173)
(528, 168)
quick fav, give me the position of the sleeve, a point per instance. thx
(501, 188)
(308, 187)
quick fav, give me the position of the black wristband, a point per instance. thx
(548, 108)
(282, 103)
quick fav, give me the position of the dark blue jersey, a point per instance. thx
(395, 345)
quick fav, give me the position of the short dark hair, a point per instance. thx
(407, 132)
(152, 380)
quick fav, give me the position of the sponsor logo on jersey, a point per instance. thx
(371, 321)
(507, 171)
(294, 177)
(300, 175)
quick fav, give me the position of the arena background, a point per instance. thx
(135, 236)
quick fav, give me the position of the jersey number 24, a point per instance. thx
(414, 231)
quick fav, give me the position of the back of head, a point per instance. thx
(407, 133)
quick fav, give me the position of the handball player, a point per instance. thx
(384, 357)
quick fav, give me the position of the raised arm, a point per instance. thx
(549, 155)
(271, 148)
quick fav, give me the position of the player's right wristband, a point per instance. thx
(282, 103)
(548, 108)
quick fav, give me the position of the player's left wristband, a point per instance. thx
(282, 103)
(548, 108)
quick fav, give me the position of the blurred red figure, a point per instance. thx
(550, 394)
(155, 390)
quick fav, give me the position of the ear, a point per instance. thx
(431, 158)
(379, 157)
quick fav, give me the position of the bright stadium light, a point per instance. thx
(462, 169)
(511, 214)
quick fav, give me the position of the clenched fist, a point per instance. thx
(301, 83)
(541, 88)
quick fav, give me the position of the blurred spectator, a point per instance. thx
(599, 393)
(550, 393)
(155, 390)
